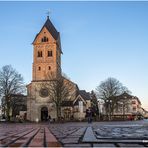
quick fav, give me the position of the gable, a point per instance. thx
(79, 98)
(50, 29)
(43, 33)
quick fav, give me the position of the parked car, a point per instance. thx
(3, 120)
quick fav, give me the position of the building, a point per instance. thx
(101, 108)
(77, 107)
(144, 113)
(47, 53)
(18, 105)
(127, 107)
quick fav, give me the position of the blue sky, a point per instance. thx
(99, 40)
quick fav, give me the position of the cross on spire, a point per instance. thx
(48, 12)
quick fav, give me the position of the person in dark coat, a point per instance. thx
(89, 115)
(49, 118)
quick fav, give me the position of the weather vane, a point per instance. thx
(48, 12)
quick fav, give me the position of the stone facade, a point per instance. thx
(35, 103)
(46, 60)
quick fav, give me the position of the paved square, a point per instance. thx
(70, 134)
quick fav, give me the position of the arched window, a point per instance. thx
(44, 39)
(39, 68)
(39, 53)
(49, 68)
(49, 53)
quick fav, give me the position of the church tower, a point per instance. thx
(47, 52)
(46, 59)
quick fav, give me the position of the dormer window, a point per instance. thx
(44, 39)
(39, 53)
(49, 53)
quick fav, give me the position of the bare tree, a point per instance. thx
(11, 82)
(108, 90)
(125, 104)
(94, 104)
(59, 89)
(18, 103)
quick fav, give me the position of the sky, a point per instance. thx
(99, 40)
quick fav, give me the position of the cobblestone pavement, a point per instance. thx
(83, 134)
(72, 134)
(26, 135)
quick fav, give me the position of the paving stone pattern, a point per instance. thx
(27, 135)
(83, 135)
(126, 132)
(69, 135)
(74, 134)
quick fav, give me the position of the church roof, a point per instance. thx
(48, 24)
(85, 95)
(50, 27)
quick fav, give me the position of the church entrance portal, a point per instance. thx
(44, 114)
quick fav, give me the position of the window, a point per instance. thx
(39, 68)
(44, 39)
(44, 92)
(39, 53)
(49, 68)
(133, 102)
(134, 108)
(49, 53)
(128, 109)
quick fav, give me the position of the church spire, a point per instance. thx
(50, 27)
(48, 12)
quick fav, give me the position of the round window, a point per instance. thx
(44, 92)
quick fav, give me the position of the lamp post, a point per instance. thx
(109, 108)
(110, 103)
(99, 107)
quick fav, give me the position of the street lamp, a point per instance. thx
(109, 103)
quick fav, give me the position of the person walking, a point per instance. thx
(49, 118)
(89, 115)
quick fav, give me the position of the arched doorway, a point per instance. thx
(44, 114)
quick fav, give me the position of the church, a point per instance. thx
(47, 53)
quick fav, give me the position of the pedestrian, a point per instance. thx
(89, 115)
(49, 118)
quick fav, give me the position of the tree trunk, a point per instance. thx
(58, 112)
(7, 108)
(13, 111)
(8, 112)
